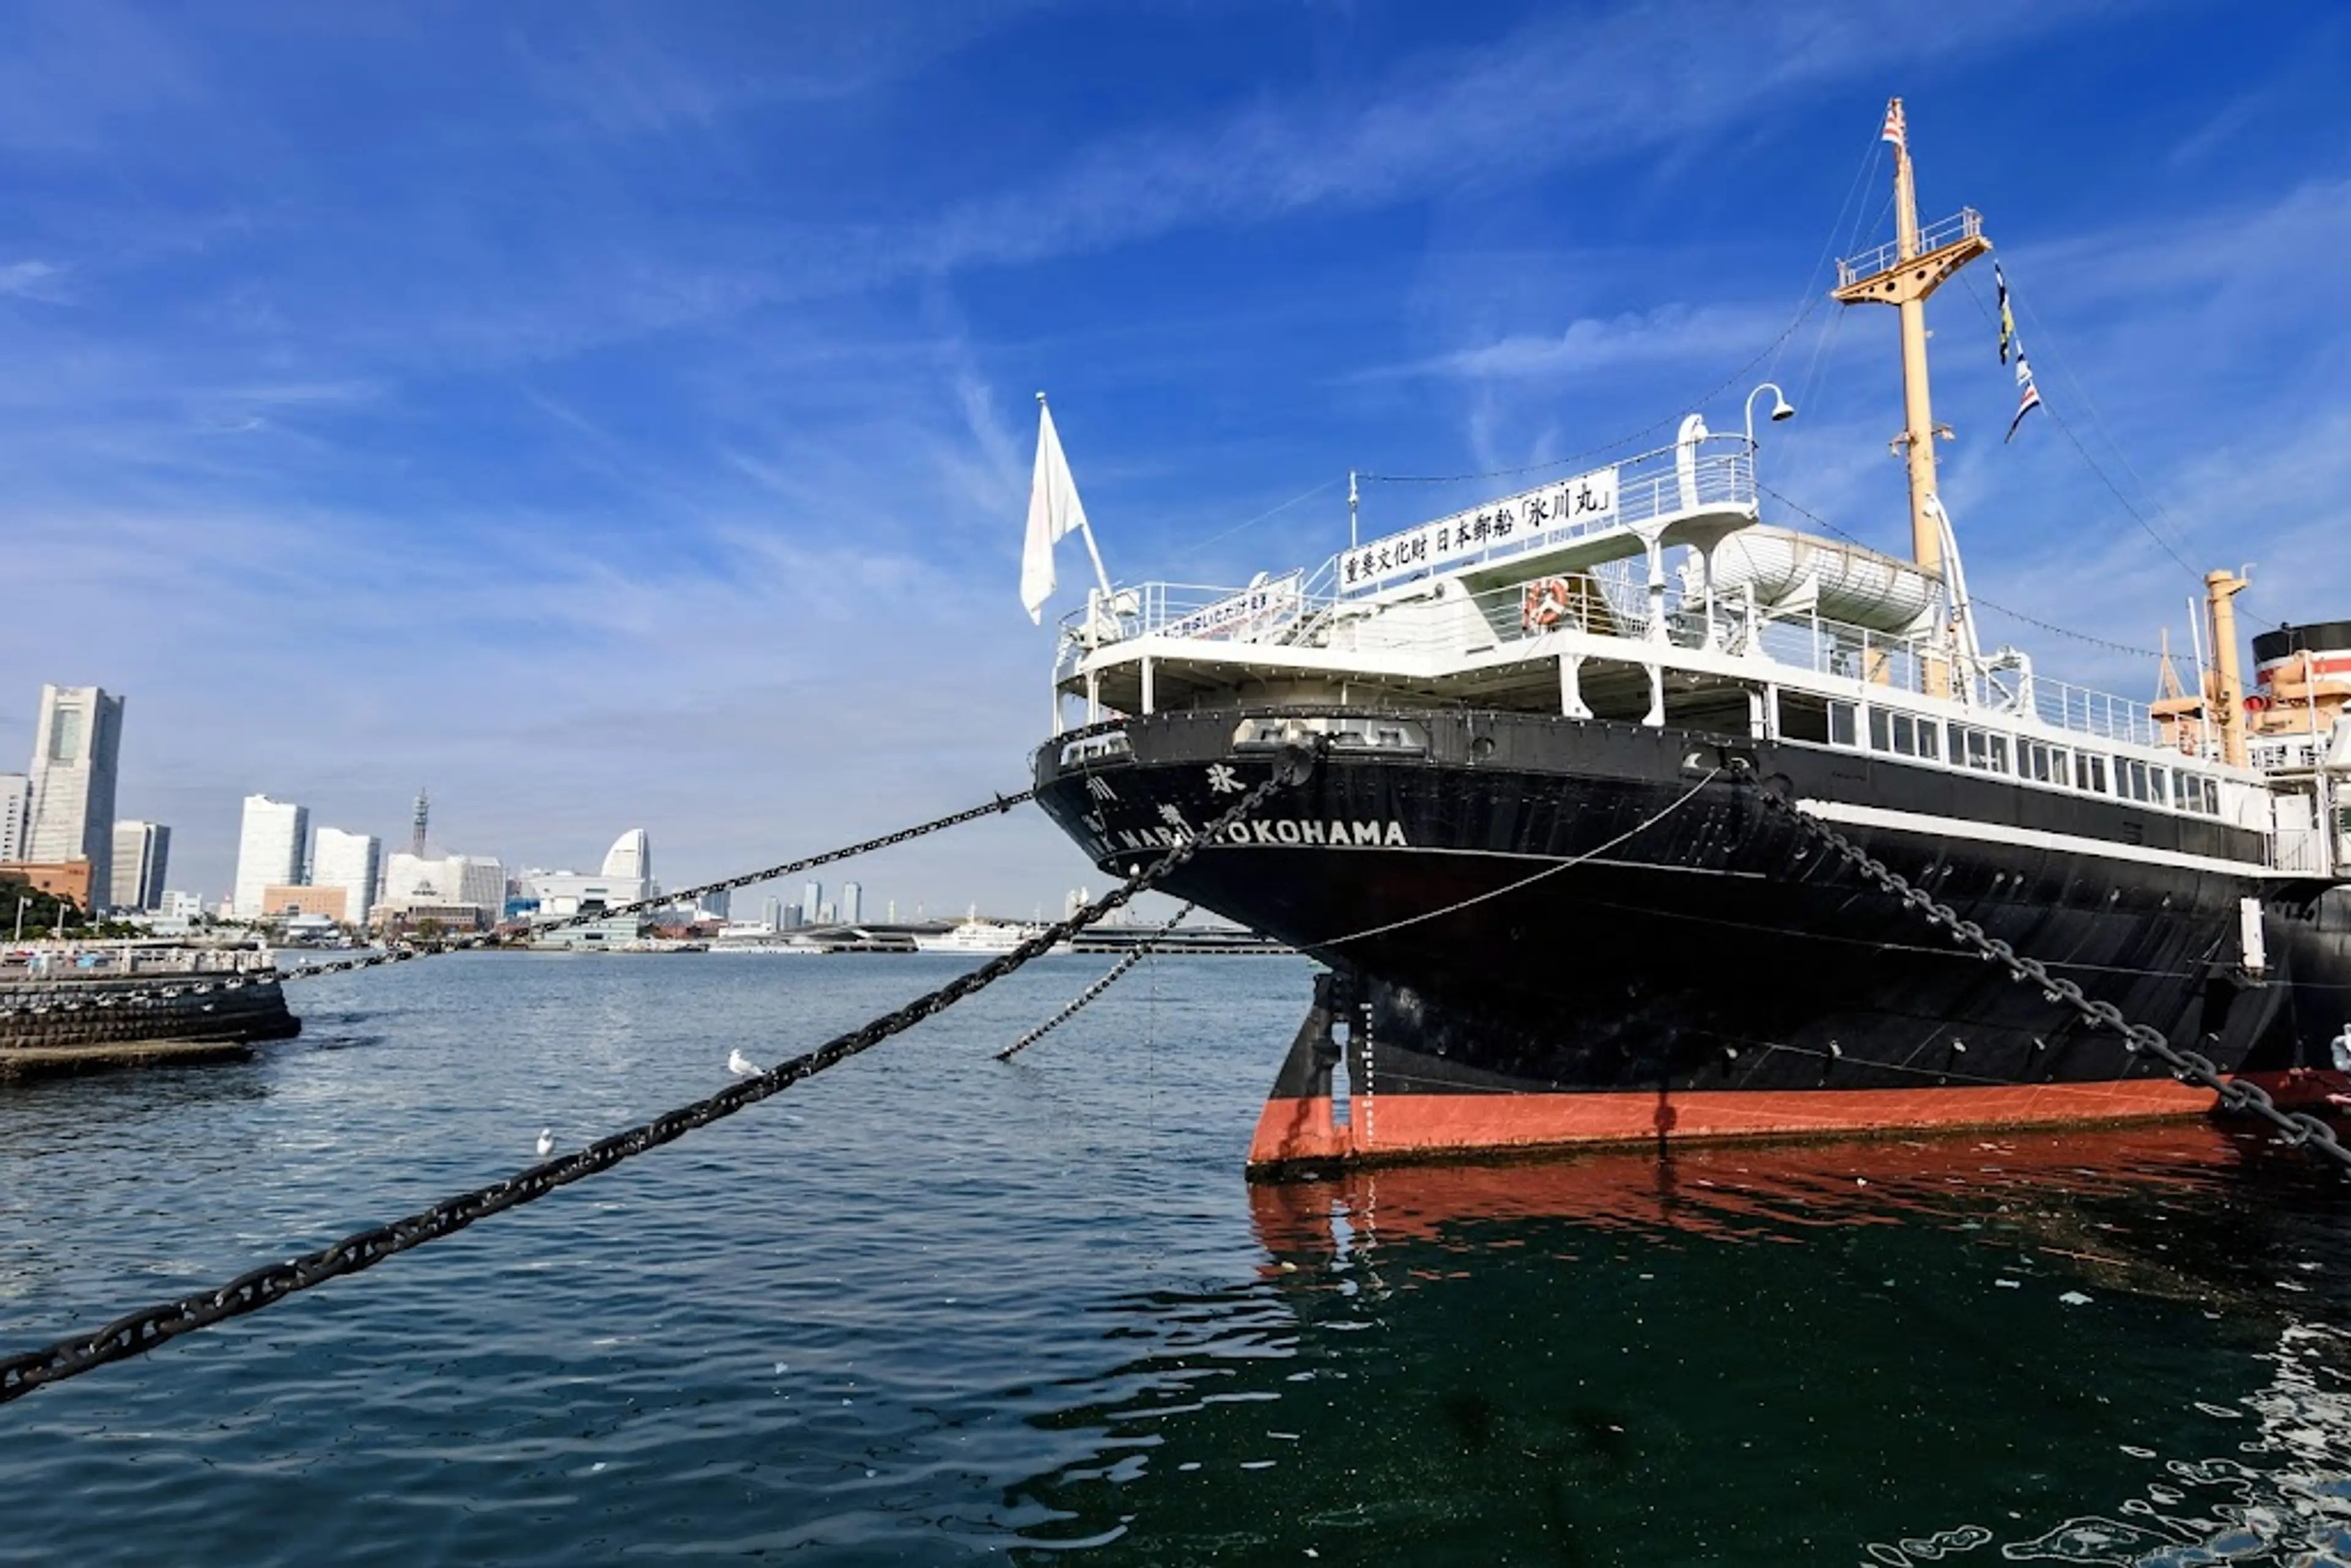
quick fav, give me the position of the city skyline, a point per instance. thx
(377, 487)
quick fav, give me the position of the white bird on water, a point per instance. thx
(742, 1066)
(545, 1142)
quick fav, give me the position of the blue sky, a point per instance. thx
(619, 415)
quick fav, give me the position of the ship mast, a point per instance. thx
(1902, 274)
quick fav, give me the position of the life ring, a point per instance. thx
(1545, 605)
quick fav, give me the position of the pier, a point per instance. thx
(67, 1011)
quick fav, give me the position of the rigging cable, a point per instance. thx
(1190, 551)
(2075, 442)
(1810, 302)
(1568, 864)
(2049, 626)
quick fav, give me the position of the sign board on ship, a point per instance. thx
(1562, 507)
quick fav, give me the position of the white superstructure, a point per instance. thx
(1667, 606)
(976, 937)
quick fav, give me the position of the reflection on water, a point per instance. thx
(932, 1308)
(1892, 1353)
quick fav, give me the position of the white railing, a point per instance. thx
(1307, 610)
(1468, 624)
(1716, 472)
(2087, 712)
(99, 959)
(1965, 223)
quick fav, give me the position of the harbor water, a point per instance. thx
(932, 1308)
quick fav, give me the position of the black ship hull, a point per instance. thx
(1548, 931)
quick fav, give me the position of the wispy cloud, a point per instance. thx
(1564, 91)
(33, 280)
(1590, 345)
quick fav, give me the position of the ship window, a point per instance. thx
(1841, 724)
(1999, 753)
(2043, 763)
(2157, 791)
(1803, 716)
(1901, 733)
(2212, 798)
(2092, 772)
(2130, 778)
(1927, 731)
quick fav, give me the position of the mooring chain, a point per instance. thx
(1085, 999)
(2296, 1128)
(138, 1333)
(401, 954)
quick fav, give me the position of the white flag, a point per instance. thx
(1054, 511)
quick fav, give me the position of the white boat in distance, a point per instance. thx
(974, 935)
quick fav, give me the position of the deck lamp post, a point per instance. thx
(1782, 409)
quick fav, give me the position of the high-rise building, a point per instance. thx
(16, 794)
(268, 851)
(626, 878)
(442, 886)
(812, 901)
(771, 913)
(70, 816)
(141, 852)
(631, 857)
(852, 903)
(353, 861)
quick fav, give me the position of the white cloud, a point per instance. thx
(32, 280)
(1669, 334)
(1578, 91)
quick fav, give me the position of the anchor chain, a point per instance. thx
(2295, 1128)
(403, 953)
(1084, 998)
(137, 1333)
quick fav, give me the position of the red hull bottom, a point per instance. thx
(1424, 1126)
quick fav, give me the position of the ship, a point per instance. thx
(975, 936)
(1534, 860)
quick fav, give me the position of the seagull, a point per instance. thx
(545, 1142)
(742, 1066)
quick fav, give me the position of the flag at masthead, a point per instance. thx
(1054, 511)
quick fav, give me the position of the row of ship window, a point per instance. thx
(1987, 751)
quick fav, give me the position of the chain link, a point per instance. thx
(2296, 1128)
(407, 951)
(138, 1333)
(1134, 955)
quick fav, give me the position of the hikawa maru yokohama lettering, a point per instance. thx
(1294, 833)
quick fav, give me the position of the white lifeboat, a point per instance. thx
(1803, 573)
